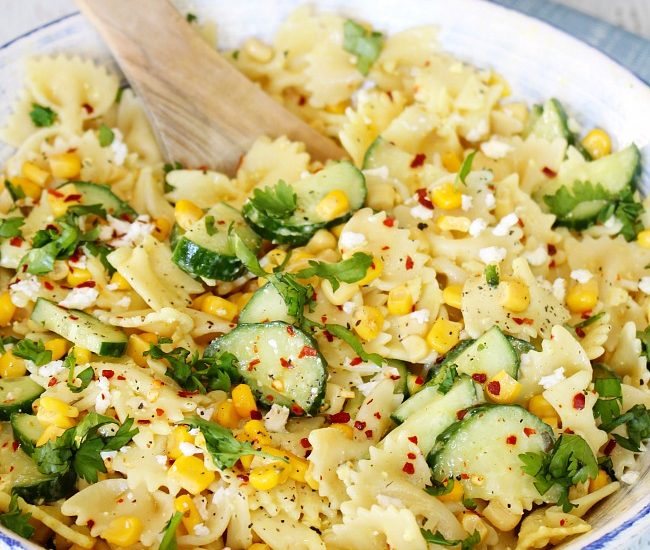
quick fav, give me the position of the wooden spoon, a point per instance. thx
(206, 113)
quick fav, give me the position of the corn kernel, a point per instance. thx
(333, 205)
(453, 223)
(61, 199)
(240, 299)
(50, 433)
(447, 197)
(597, 143)
(219, 307)
(7, 309)
(58, 346)
(443, 335)
(599, 482)
(337, 108)
(35, 173)
(452, 295)
(11, 366)
(161, 228)
(265, 478)
(120, 282)
(375, 270)
(297, 466)
(345, 429)
(344, 293)
(540, 407)
(65, 165)
(322, 240)
(197, 302)
(514, 295)
(187, 213)
(552, 421)
(274, 258)
(259, 546)
(81, 355)
(242, 397)
(337, 230)
(191, 474)
(77, 276)
(497, 79)
(136, 348)
(178, 435)
(29, 187)
(400, 300)
(226, 415)
(503, 388)
(455, 495)
(52, 410)
(450, 161)
(311, 481)
(123, 531)
(368, 322)
(257, 432)
(582, 297)
(191, 517)
(643, 238)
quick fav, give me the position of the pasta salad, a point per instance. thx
(441, 341)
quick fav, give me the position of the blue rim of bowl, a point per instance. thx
(607, 537)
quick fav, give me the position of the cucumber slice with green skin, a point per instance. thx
(487, 442)
(401, 384)
(298, 228)
(17, 395)
(175, 234)
(487, 355)
(204, 255)
(20, 473)
(353, 405)
(27, 429)
(94, 193)
(415, 403)
(438, 413)
(266, 305)
(520, 346)
(80, 328)
(280, 363)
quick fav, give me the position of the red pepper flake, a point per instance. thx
(411, 456)
(297, 410)
(74, 317)
(160, 412)
(413, 439)
(256, 415)
(88, 108)
(243, 478)
(479, 377)
(461, 414)
(408, 468)
(120, 377)
(586, 315)
(418, 160)
(511, 440)
(409, 263)
(15, 445)
(87, 284)
(580, 332)
(368, 434)
(356, 361)
(523, 320)
(48, 285)
(72, 198)
(52, 227)
(144, 421)
(419, 380)
(562, 522)
(251, 364)
(286, 364)
(548, 172)
(16, 241)
(464, 476)
(551, 264)
(341, 417)
(494, 387)
(307, 351)
(90, 523)
(389, 222)
(423, 198)
(569, 431)
(529, 432)
(108, 373)
(290, 330)
(385, 247)
(609, 447)
(302, 100)
(120, 501)
(305, 444)
(328, 335)
(52, 382)
(269, 398)
(551, 249)
(394, 376)
(323, 318)
(187, 393)
(55, 193)
(360, 425)
(579, 401)
(377, 415)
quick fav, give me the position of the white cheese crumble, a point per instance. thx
(490, 200)
(492, 254)
(349, 307)
(24, 291)
(537, 257)
(200, 530)
(421, 316)
(478, 131)
(103, 399)
(477, 227)
(644, 285)
(80, 298)
(108, 455)
(581, 275)
(421, 212)
(119, 148)
(466, 202)
(79, 263)
(495, 149)
(205, 413)
(125, 302)
(122, 233)
(161, 459)
(630, 477)
(51, 369)
(276, 419)
(559, 289)
(547, 382)
(504, 225)
(385, 500)
(613, 224)
(188, 449)
(350, 239)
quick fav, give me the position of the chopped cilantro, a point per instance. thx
(191, 18)
(610, 397)
(210, 228)
(276, 202)
(439, 489)
(465, 168)
(105, 135)
(364, 44)
(637, 421)
(42, 116)
(32, 351)
(351, 340)
(439, 539)
(10, 227)
(589, 320)
(16, 520)
(49, 245)
(492, 275)
(15, 192)
(349, 271)
(451, 374)
(168, 541)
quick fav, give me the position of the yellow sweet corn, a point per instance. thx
(197, 302)
(297, 465)
(7, 309)
(123, 531)
(76, 276)
(219, 307)
(226, 415)
(582, 297)
(29, 187)
(450, 161)
(400, 300)
(256, 430)
(191, 517)
(643, 238)
(337, 108)
(333, 205)
(274, 258)
(65, 165)
(81, 355)
(51, 410)
(136, 347)
(599, 482)
(452, 295)
(259, 546)
(453, 223)
(503, 388)
(35, 173)
(62, 198)
(368, 322)
(240, 299)
(514, 295)
(178, 435)
(455, 495)
(191, 474)
(375, 270)
(50, 433)
(443, 335)
(345, 429)
(337, 230)
(447, 197)
(11, 366)
(597, 143)
(552, 421)
(186, 213)
(540, 407)
(161, 228)
(265, 478)
(242, 397)
(58, 346)
(120, 282)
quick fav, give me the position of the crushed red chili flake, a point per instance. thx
(389, 222)
(418, 160)
(302, 100)
(479, 377)
(464, 476)
(408, 468)
(385, 247)
(341, 417)
(251, 364)
(360, 425)
(419, 380)
(409, 263)
(411, 456)
(160, 412)
(579, 401)
(494, 387)
(74, 317)
(328, 335)
(529, 432)
(307, 351)
(72, 198)
(548, 172)
(269, 398)
(368, 434)
(290, 330)
(569, 431)
(90, 523)
(286, 363)
(562, 522)
(15, 445)
(52, 382)
(243, 478)
(580, 332)
(356, 361)
(523, 320)
(413, 439)
(108, 373)
(54, 193)
(423, 198)
(297, 410)
(16, 241)
(256, 415)
(461, 414)
(304, 442)
(511, 440)
(48, 285)
(120, 377)
(144, 421)
(87, 284)
(609, 447)
(551, 249)
(377, 415)
(187, 393)
(88, 108)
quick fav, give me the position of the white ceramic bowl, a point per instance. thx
(539, 62)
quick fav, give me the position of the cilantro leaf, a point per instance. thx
(123, 435)
(351, 340)
(33, 351)
(470, 503)
(439, 489)
(85, 376)
(87, 460)
(210, 229)
(42, 116)
(100, 251)
(16, 192)
(610, 397)
(105, 135)
(465, 168)
(566, 199)
(84, 210)
(589, 320)
(349, 271)
(244, 254)
(5, 341)
(16, 520)
(56, 455)
(49, 245)
(364, 44)
(168, 541)
(10, 227)
(191, 18)
(439, 539)
(637, 421)
(627, 212)
(276, 202)
(492, 275)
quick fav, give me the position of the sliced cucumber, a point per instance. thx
(266, 304)
(415, 403)
(93, 193)
(82, 329)
(202, 254)
(487, 443)
(279, 362)
(21, 474)
(487, 355)
(520, 346)
(17, 395)
(298, 228)
(438, 413)
(27, 429)
(175, 234)
(401, 383)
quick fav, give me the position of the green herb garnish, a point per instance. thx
(364, 44)
(42, 116)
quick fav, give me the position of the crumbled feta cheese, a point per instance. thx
(79, 263)
(350, 239)
(161, 459)
(421, 316)
(477, 227)
(490, 200)
(108, 455)
(205, 413)
(504, 225)
(421, 212)
(51, 369)
(613, 224)
(195, 431)
(630, 477)
(119, 148)
(385, 500)
(581, 275)
(492, 254)
(125, 449)
(200, 530)
(367, 387)
(644, 285)
(276, 419)
(80, 298)
(123, 233)
(25, 291)
(103, 399)
(536, 257)
(495, 149)
(125, 301)
(559, 289)
(188, 449)
(547, 382)
(349, 307)
(379, 172)
(112, 286)
(466, 202)
(478, 131)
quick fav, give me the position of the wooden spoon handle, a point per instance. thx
(205, 111)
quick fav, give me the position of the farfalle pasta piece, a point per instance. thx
(148, 196)
(135, 128)
(548, 526)
(203, 187)
(627, 360)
